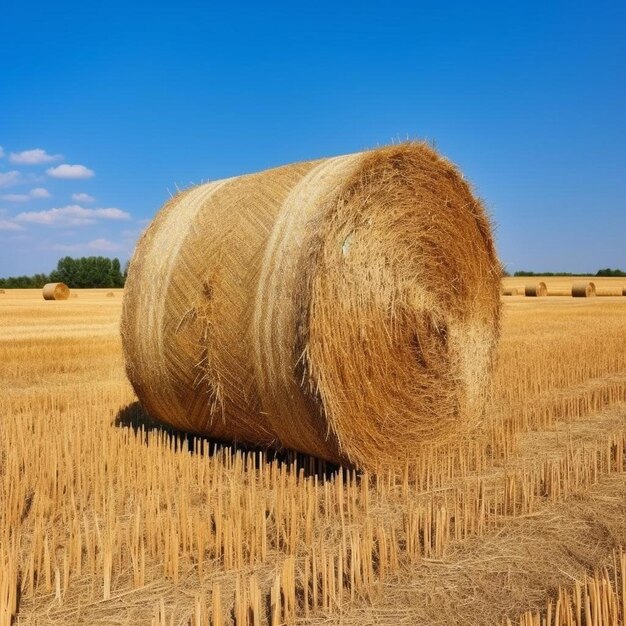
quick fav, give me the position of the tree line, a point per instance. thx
(604, 272)
(85, 272)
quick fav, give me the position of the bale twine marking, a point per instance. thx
(536, 291)
(583, 290)
(308, 307)
(56, 291)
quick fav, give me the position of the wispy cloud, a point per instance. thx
(70, 171)
(97, 245)
(1, 152)
(9, 225)
(82, 197)
(33, 157)
(33, 194)
(71, 215)
(8, 179)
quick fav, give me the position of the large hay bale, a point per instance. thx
(583, 290)
(347, 308)
(536, 291)
(56, 291)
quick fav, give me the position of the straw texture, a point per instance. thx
(56, 291)
(536, 291)
(347, 308)
(583, 290)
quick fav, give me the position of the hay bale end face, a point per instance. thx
(536, 291)
(623, 291)
(583, 290)
(308, 307)
(56, 291)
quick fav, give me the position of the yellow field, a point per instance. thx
(107, 518)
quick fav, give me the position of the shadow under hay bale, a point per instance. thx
(536, 291)
(307, 307)
(134, 416)
(56, 291)
(583, 290)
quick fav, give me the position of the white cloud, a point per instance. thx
(33, 157)
(8, 179)
(103, 245)
(82, 197)
(71, 215)
(15, 197)
(97, 245)
(9, 225)
(36, 193)
(70, 171)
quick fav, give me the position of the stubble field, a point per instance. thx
(107, 518)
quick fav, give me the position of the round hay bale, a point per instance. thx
(536, 291)
(623, 291)
(583, 290)
(510, 292)
(110, 294)
(346, 308)
(2, 291)
(56, 291)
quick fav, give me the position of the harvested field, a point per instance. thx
(107, 517)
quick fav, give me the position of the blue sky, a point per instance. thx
(528, 99)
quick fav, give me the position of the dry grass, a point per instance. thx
(108, 518)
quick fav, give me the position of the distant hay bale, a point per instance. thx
(1, 290)
(536, 291)
(74, 295)
(624, 291)
(110, 295)
(583, 290)
(56, 291)
(510, 292)
(347, 308)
